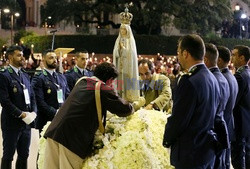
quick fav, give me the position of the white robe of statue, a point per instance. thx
(125, 60)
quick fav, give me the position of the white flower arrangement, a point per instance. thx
(41, 147)
(133, 142)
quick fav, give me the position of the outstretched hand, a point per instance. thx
(139, 103)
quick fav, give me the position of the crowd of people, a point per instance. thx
(209, 106)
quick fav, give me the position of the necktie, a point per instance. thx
(145, 87)
(19, 73)
(55, 77)
(82, 73)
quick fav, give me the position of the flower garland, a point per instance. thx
(133, 142)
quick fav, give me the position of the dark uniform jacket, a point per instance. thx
(45, 87)
(228, 112)
(189, 130)
(74, 74)
(12, 98)
(220, 124)
(242, 105)
(75, 124)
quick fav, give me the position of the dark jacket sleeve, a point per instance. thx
(70, 81)
(5, 97)
(183, 109)
(67, 90)
(241, 86)
(114, 103)
(33, 100)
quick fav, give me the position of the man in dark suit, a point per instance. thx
(211, 58)
(18, 110)
(189, 130)
(241, 147)
(71, 133)
(78, 70)
(223, 61)
(50, 88)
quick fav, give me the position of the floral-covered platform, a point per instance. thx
(133, 142)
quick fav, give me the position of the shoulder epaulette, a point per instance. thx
(241, 69)
(182, 75)
(10, 69)
(45, 73)
(75, 70)
(38, 73)
(192, 70)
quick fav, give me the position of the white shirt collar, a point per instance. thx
(212, 67)
(50, 71)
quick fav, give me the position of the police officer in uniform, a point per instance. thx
(211, 58)
(223, 61)
(18, 110)
(79, 69)
(241, 147)
(189, 130)
(50, 88)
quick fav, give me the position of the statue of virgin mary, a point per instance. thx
(125, 60)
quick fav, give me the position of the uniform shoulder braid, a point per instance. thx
(192, 70)
(241, 69)
(184, 75)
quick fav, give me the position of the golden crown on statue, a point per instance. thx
(126, 17)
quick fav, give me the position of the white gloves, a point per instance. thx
(30, 116)
(139, 103)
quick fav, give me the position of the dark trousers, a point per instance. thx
(16, 140)
(209, 165)
(220, 160)
(240, 153)
(227, 158)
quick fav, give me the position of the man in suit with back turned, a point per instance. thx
(189, 130)
(211, 58)
(241, 147)
(223, 61)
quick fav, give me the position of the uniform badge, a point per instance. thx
(14, 89)
(49, 91)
